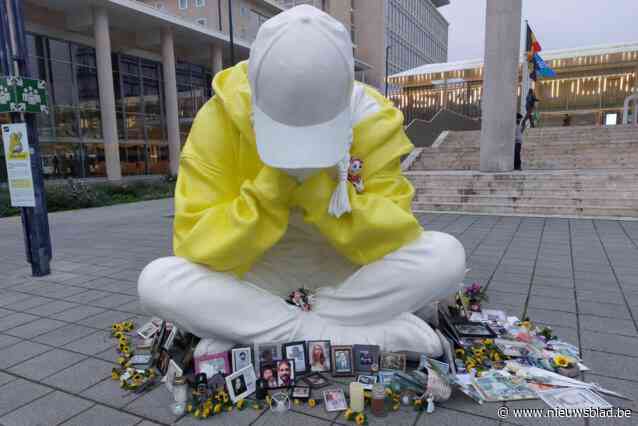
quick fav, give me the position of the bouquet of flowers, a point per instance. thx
(471, 297)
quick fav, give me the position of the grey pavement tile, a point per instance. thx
(78, 313)
(18, 393)
(611, 343)
(132, 307)
(290, 418)
(52, 308)
(6, 340)
(30, 302)
(604, 310)
(154, 405)
(320, 411)
(8, 298)
(110, 354)
(64, 334)
(34, 328)
(244, 417)
(553, 318)
(608, 296)
(53, 408)
(93, 343)
(87, 296)
(15, 320)
(405, 416)
(99, 415)
(608, 325)
(567, 334)
(110, 393)
(6, 378)
(460, 402)
(81, 376)
(46, 364)
(626, 388)
(106, 319)
(537, 403)
(20, 352)
(443, 417)
(553, 303)
(555, 292)
(614, 421)
(113, 301)
(5, 312)
(611, 365)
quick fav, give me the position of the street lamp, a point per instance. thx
(232, 39)
(387, 54)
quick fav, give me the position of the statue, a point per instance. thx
(265, 205)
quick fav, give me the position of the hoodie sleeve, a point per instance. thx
(381, 220)
(223, 220)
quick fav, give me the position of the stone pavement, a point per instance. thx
(578, 276)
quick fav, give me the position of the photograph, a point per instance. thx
(241, 383)
(365, 356)
(242, 357)
(285, 373)
(367, 381)
(296, 351)
(269, 374)
(386, 377)
(392, 361)
(212, 364)
(168, 343)
(163, 362)
(301, 392)
(335, 400)
(148, 330)
(172, 372)
(266, 354)
(342, 361)
(476, 329)
(316, 381)
(319, 354)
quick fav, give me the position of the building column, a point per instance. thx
(107, 94)
(216, 58)
(170, 99)
(500, 78)
(636, 93)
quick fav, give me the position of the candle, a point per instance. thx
(356, 397)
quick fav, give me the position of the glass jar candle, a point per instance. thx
(180, 390)
(378, 400)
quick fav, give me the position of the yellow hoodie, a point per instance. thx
(230, 208)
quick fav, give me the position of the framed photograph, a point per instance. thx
(392, 361)
(335, 400)
(168, 343)
(241, 383)
(474, 329)
(285, 373)
(296, 351)
(212, 364)
(316, 381)
(148, 330)
(364, 357)
(269, 374)
(172, 372)
(163, 361)
(242, 358)
(342, 361)
(267, 354)
(301, 392)
(319, 355)
(386, 377)
(367, 381)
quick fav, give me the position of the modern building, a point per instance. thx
(591, 86)
(414, 31)
(125, 82)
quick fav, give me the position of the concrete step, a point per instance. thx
(497, 199)
(533, 209)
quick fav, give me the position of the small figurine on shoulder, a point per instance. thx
(354, 174)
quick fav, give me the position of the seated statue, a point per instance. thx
(291, 178)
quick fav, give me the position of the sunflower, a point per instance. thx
(128, 325)
(197, 413)
(121, 361)
(348, 414)
(189, 408)
(388, 392)
(488, 342)
(240, 404)
(115, 374)
(360, 419)
(225, 398)
(312, 403)
(123, 340)
(460, 353)
(218, 409)
(256, 406)
(396, 406)
(296, 401)
(562, 361)
(117, 327)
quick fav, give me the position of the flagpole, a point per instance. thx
(525, 74)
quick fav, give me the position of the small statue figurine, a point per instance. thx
(354, 175)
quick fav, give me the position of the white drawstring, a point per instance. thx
(340, 202)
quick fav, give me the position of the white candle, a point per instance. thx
(356, 397)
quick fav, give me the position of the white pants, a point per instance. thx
(374, 305)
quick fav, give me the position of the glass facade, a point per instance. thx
(71, 138)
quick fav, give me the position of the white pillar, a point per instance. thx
(107, 95)
(502, 52)
(216, 58)
(170, 99)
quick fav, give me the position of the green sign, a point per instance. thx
(19, 94)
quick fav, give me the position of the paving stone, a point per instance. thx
(30, 302)
(20, 352)
(113, 301)
(63, 335)
(34, 328)
(5, 378)
(55, 408)
(234, 418)
(611, 365)
(553, 303)
(17, 393)
(626, 388)
(5, 312)
(6, 340)
(78, 313)
(15, 320)
(8, 298)
(554, 318)
(610, 296)
(611, 343)
(288, 419)
(154, 405)
(608, 325)
(318, 394)
(105, 319)
(92, 344)
(109, 392)
(460, 402)
(81, 375)
(443, 417)
(99, 415)
(52, 308)
(46, 364)
(87, 296)
(604, 310)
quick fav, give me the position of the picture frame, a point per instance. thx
(392, 361)
(173, 371)
(341, 357)
(367, 381)
(335, 400)
(365, 356)
(163, 361)
(386, 377)
(301, 392)
(286, 373)
(147, 331)
(296, 351)
(316, 381)
(212, 364)
(242, 383)
(319, 358)
(241, 358)
(474, 329)
(266, 354)
(168, 343)
(269, 374)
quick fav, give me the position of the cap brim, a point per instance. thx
(298, 147)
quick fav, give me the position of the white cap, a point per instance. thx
(301, 72)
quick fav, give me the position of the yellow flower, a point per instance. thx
(117, 327)
(189, 408)
(470, 365)
(418, 402)
(197, 413)
(206, 412)
(495, 356)
(396, 407)
(312, 403)
(269, 400)
(218, 409)
(256, 406)
(361, 419)
(296, 401)
(388, 392)
(240, 404)
(121, 361)
(526, 324)
(225, 398)
(561, 361)
(115, 375)
(128, 325)
(488, 341)
(229, 408)
(459, 353)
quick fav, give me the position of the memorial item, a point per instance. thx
(342, 361)
(163, 361)
(573, 399)
(212, 364)
(170, 338)
(365, 356)
(513, 348)
(280, 403)
(392, 361)
(356, 397)
(148, 330)
(386, 377)
(180, 390)
(301, 392)
(335, 400)
(296, 351)
(354, 174)
(241, 383)
(316, 381)
(367, 381)
(377, 405)
(319, 355)
(302, 298)
(499, 387)
(471, 298)
(474, 329)
(267, 353)
(285, 373)
(172, 372)
(241, 358)
(269, 374)
(217, 382)
(261, 389)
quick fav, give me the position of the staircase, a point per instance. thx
(568, 171)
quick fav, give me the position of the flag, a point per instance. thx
(543, 69)
(533, 46)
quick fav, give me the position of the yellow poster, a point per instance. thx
(18, 159)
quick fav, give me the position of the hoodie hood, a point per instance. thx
(232, 87)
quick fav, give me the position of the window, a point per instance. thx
(183, 4)
(202, 21)
(200, 3)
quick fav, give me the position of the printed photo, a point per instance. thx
(316, 381)
(241, 383)
(392, 361)
(319, 354)
(365, 356)
(342, 361)
(269, 374)
(242, 358)
(296, 351)
(367, 381)
(335, 400)
(301, 392)
(285, 373)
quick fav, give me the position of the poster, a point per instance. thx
(18, 158)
